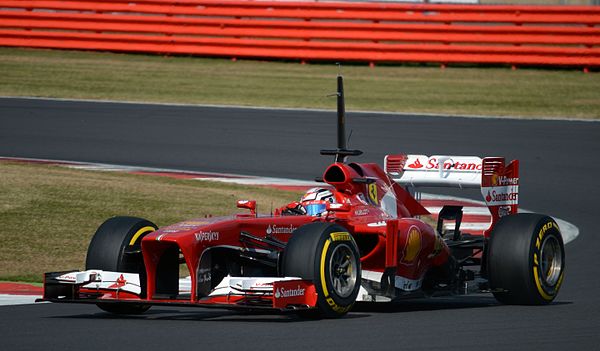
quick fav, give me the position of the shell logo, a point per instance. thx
(494, 179)
(413, 245)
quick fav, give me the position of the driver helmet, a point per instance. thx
(315, 200)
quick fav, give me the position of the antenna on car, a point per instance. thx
(341, 153)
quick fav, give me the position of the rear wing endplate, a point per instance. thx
(498, 181)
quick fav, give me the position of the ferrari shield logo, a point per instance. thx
(373, 193)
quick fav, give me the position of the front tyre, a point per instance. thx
(326, 254)
(116, 247)
(526, 259)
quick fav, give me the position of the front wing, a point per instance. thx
(97, 286)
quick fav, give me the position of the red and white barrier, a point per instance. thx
(307, 30)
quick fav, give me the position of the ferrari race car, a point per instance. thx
(368, 243)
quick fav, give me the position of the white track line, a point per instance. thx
(569, 231)
(6, 299)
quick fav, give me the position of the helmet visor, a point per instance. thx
(314, 209)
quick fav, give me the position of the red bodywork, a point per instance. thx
(375, 210)
(381, 216)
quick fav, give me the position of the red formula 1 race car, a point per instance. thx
(359, 238)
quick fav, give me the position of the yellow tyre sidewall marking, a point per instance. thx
(536, 270)
(334, 306)
(139, 233)
(340, 236)
(539, 285)
(323, 257)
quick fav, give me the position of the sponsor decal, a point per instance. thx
(433, 163)
(284, 293)
(336, 206)
(377, 224)
(207, 236)
(183, 226)
(504, 181)
(119, 283)
(543, 231)
(407, 284)
(340, 236)
(261, 284)
(204, 275)
(337, 308)
(287, 229)
(415, 165)
(293, 293)
(503, 191)
(502, 195)
(504, 211)
(413, 245)
(67, 277)
(188, 224)
(159, 238)
(400, 282)
(373, 193)
(361, 212)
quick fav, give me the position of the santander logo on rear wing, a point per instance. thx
(435, 171)
(499, 182)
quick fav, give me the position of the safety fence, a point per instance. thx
(312, 31)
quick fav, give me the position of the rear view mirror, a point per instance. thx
(249, 204)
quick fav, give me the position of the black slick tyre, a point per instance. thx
(116, 247)
(326, 254)
(526, 259)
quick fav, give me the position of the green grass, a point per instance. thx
(48, 214)
(428, 89)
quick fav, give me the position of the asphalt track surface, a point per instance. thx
(559, 176)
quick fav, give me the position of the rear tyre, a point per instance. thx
(116, 247)
(326, 254)
(526, 259)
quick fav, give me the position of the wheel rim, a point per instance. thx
(342, 270)
(551, 261)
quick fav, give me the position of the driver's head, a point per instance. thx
(315, 200)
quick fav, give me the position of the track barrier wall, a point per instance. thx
(312, 31)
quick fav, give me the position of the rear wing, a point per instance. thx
(499, 182)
